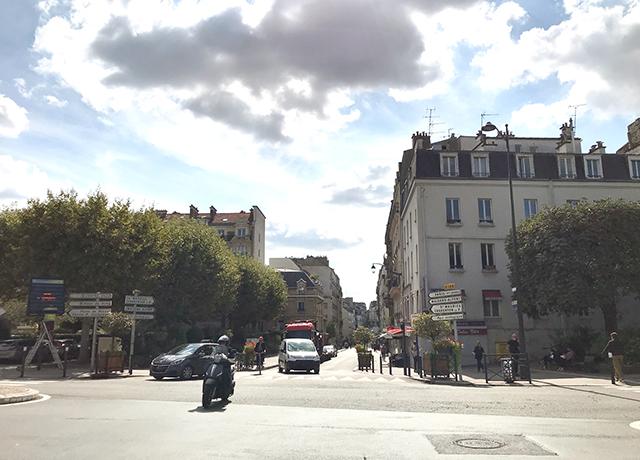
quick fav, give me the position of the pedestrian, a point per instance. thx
(415, 355)
(383, 350)
(260, 350)
(478, 353)
(514, 349)
(615, 350)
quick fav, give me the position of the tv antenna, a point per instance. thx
(575, 114)
(483, 115)
(432, 123)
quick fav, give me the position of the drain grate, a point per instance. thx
(494, 444)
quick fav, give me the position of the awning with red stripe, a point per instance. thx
(492, 294)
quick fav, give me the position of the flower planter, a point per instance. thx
(365, 361)
(436, 365)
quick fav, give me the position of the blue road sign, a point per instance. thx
(46, 296)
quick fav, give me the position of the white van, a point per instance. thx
(298, 354)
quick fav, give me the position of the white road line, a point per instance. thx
(635, 425)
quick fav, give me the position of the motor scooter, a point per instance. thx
(218, 381)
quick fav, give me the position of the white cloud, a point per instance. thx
(54, 101)
(20, 180)
(13, 118)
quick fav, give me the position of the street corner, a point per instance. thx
(10, 394)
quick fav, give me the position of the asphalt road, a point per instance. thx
(337, 414)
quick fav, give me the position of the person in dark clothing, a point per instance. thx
(478, 354)
(260, 350)
(616, 352)
(514, 349)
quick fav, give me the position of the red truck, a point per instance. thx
(304, 330)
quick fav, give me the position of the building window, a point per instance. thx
(453, 210)
(530, 207)
(241, 232)
(566, 168)
(455, 256)
(491, 308)
(592, 168)
(480, 166)
(484, 210)
(300, 306)
(301, 285)
(449, 165)
(635, 168)
(525, 166)
(486, 250)
(573, 203)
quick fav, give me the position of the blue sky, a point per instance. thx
(302, 107)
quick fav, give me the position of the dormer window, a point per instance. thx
(592, 168)
(480, 166)
(634, 167)
(525, 166)
(566, 167)
(449, 165)
(241, 231)
(301, 285)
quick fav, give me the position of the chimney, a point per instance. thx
(421, 141)
(212, 214)
(193, 212)
(633, 134)
(598, 148)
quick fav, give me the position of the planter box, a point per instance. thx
(365, 361)
(436, 365)
(110, 362)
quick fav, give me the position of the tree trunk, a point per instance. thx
(84, 341)
(610, 313)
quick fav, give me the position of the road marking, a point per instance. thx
(26, 382)
(42, 398)
(635, 425)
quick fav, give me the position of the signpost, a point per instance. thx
(91, 299)
(448, 317)
(136, 304)
(447, 305)
(445, 308)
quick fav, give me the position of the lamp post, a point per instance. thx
(514, 242)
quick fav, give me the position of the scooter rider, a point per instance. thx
(224, 348)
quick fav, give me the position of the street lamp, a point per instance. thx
(373, 266)
(514, 240)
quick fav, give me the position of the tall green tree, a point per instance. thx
(573, 259)
(426, 326)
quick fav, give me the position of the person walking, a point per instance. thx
(260, 350)
(478, 354)
(615, 349)
(514, 349)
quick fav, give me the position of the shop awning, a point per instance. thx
(492, 294)
(395, 332)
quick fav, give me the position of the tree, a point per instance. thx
(574, 259)
(426, 326)
(363, 335)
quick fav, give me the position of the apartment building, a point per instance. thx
(244, 232)
(451, 216)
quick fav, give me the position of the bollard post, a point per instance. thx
(373, 364)
(390, 366)
(24, 360)
(613, 372)
(381, 363)
(64, 364)
(106, 363)
(486, 373)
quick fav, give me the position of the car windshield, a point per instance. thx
(300, 346)
(185, 349)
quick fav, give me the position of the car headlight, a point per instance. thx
(316, 358)
(290, 357)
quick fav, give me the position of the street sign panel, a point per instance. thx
(89, 312)
(90, 303)
(448, 317)
(455, 298)
(91, 295)
(139, 309)
(46, 296)
(138, 300)
(447, 308)
(142, 316)
(448, 293)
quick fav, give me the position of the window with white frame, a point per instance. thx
(480, 166)
(634, 166)
(530, 207)
(449, 165)
(566, 168)
(525, 166)
(455, 256)
(491, 308)
(241, 231)
(484, 210)
(592, 168)
(486, 251)
(453, 210)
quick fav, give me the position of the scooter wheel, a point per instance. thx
(207, 394)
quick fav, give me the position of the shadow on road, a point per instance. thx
(216, 406)
(587, 391)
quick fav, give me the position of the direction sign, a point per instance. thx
(90, 303)
(139, 309)
(455, 298)
(447, 308)
(448, 293)
(142, 316)
(91, 295)
(46, 296)
(89, 312)
(447, 317)
(138, 300)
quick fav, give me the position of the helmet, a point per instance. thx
(223, 340)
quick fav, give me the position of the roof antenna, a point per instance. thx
(575, 124)
(432, 123)
(485, 114)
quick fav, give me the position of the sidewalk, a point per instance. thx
(551, 377)
(17, 393)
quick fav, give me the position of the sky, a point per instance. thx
(302, 107)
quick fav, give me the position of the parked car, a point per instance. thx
(330, 351)
(298, 354)
(183, 361)
(73, 348)
(11, 349)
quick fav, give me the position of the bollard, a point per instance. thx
(381, 363)
(390, 365)
(373, 364)
(106, 363)
(64, 364)
(486, 373)
(613, 372)
(24, 360)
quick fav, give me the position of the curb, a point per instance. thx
(30, 396)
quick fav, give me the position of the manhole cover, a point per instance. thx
(479, 443)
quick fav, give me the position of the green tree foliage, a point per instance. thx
(363, 335)
(425, 326)
(573, 259)
(262, 294)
